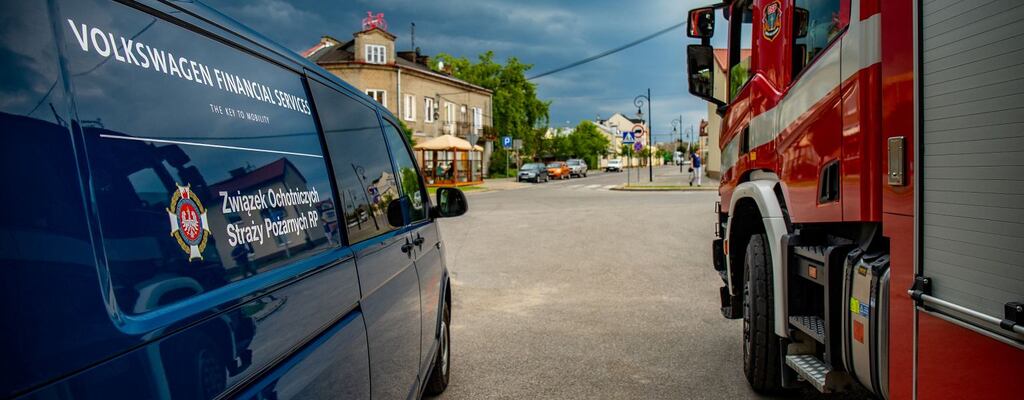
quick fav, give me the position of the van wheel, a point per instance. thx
(760, 345)
(442, 369)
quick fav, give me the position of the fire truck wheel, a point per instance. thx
(760, 345)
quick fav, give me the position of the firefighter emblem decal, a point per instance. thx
(188, 222)
(771, 24)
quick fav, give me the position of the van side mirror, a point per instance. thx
(701, 23)
(800, 20)
(451, 202)
(700, 64)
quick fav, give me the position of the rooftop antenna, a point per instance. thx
(413, 35)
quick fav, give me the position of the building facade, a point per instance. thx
(614, 126)
(430, 103)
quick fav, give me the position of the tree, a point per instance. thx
(587, 142)
(407, 133)
(517, 111)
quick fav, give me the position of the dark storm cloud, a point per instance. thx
(546, 34)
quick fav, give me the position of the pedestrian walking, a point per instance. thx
(695, 169)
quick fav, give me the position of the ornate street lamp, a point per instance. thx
(639, 102)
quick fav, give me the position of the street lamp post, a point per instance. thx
(676, 123)
(639, 102)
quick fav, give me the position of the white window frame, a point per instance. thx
(478, 120)
(383, 100)
(429, 107)
(376, 54)
(409, 108)
(449, 112)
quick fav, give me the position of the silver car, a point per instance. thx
(577, 167)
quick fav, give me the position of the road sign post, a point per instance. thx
(506, 143)
(637, 148)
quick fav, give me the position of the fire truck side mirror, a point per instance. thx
(700, 64)
(800, 19)
(701, 23)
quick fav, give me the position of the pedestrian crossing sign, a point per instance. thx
(628, 137)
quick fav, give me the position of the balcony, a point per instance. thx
(463, 129)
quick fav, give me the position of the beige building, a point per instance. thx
(430, 103)
(618, 123)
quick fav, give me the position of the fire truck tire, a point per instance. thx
(760, 345)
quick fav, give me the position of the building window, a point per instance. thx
(449, 112)
(429, 107)
(478, 120)
(409, 108)
(376, 54)
(380, 95)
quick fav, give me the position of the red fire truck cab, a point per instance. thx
(871, 223)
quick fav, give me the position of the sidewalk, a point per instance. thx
(666, 178)
(502, 184)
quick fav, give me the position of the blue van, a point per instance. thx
(193, 212)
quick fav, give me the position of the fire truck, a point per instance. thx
(870, 229)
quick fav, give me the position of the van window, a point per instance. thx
(823, 25)
(365, 179)
(205, 163)
(408, 177)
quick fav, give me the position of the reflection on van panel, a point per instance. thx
(170, 237)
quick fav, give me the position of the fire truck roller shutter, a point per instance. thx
(971, 145)
(760, 189)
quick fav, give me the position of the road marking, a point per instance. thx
(607, 187)
(593, 186)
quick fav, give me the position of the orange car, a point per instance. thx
(559, 169)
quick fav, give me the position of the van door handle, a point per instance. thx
(407, 247)
(418, 241)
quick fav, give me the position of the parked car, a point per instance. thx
(614, 165)
(177, 242)
(558, 170)
(535, 172)
(577, 167)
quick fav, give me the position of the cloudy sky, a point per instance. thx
(547, 34)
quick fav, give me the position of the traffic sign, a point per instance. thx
(506, 142)
(638, 146)
(639, 130)
(628, 137)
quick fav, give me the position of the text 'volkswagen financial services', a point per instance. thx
(194, 212)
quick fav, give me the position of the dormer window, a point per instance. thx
(376, 54)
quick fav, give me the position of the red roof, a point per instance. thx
(252, 178)
(722, 57)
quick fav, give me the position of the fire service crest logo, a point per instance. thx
(772, 22)
(188, 222)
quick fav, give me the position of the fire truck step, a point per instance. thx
(812, 370)
(812, 325)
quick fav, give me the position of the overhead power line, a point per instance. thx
(608, 52)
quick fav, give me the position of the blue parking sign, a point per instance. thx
(506, 142)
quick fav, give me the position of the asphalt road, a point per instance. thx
(569, 290)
